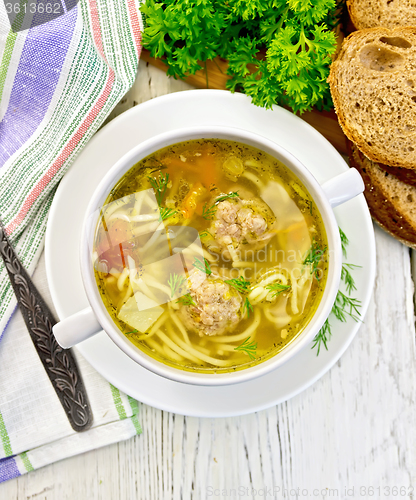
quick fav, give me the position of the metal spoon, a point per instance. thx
(59, 364)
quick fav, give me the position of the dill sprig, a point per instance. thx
(133, 331)
(344, 242)
(247, 307)
(277, 288)
(240, 284)
(208, 212)
(165, 213)
(314, 257)
(159, 185)
(175, 282)
(203, 266)
(186, 300)
(344, 305)
(224, 197)
(347, 277)
(322, 337)
(248, 348)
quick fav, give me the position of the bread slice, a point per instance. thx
(392, 203)
(403, 174)
(387, 13)
(373, 86)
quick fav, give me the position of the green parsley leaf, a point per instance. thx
(279, 51)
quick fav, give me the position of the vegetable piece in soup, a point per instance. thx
(210, 256)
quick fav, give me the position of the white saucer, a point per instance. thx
(183, 109)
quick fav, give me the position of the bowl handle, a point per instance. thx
(343, 187)
(76, 328)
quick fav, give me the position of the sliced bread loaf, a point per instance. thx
(392, 203)
(373, 86)
(405, 175)
(388, 13)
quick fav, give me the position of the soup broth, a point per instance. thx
(210, 256)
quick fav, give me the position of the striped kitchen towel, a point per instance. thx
(58, 82)
(34, 430)
(60, 76)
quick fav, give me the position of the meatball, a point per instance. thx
(239, 222)
(217, 306)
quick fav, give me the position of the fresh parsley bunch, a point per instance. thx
(279, 51)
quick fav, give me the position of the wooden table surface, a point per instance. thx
(353, 430)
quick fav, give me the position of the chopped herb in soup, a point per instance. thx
(210, 255)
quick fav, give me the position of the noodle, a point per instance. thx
(260, 297)
(294, 296)
(172, 354)
(173, 306)
(154, 237)
(258, 290)
(214, 325)
(226, 347)
(119, 215)
(200, 349)
(112, 207)
(156, 347)
(141, 285)
(208, 256)
(254, 179)
(145, 228)
(144, 217)
(180, 328)
(274, 277)
(128, 294)
(278, 321)
(155, 327)
(178, 349)
(241, 336)
(192, 351)
(155, 284)
(122, 278)
(138, 202)
(233, 253)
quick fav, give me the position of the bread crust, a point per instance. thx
(405, 175)
(380, 191)
(373, 87)
(372, 13)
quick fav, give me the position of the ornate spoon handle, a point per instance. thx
(59, 364)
